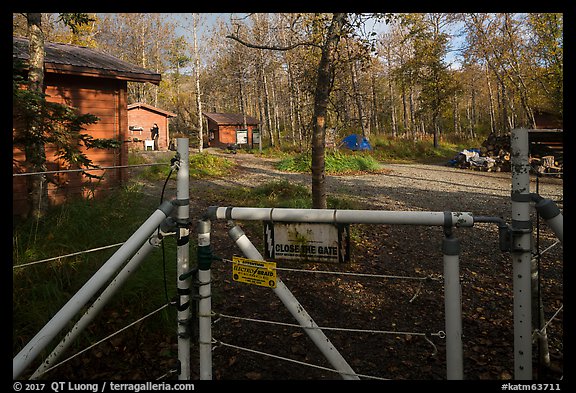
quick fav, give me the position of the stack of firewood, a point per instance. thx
(494, 156)
(497, 147)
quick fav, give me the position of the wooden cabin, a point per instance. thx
(548, 120)
(226, 129)
(92, 82)
(141, 118)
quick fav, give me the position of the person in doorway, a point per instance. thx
(155, 131)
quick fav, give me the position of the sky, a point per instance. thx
(208, 20)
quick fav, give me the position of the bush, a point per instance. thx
(209, 165)
(335, 163)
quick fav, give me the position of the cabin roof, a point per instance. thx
(230, 118)
(80, 60)
(151, 108)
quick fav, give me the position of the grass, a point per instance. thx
(201, 165)
(40, 290)
(282, 193)
(336, 162)
(386, 149)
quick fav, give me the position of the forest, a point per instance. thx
(418, 75)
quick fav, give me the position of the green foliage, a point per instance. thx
(204, 165)
(201, 165)
(75, 20)
(154, 172)
(336, 162)
(40, 290)
(299, 163)
(408, 150)
(281, 193)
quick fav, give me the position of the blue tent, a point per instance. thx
(356, 142)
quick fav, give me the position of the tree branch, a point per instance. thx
(279, 48)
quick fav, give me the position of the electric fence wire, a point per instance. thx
(106, 338)
(111, 246)
(83, 170)
(67, 255)
(224, 344)
(426, 336)
(385, 276)
(86, 169)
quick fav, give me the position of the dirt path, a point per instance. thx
(402, 186)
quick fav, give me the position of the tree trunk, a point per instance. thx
(35, 152)
(292, 112)
(392, 107)
(411, 118)
(455, 114)
(357, 96)
(242, 107)
(491, 102)
(374, 124)
(323, 88)
(267, 108)
(198, 93)
(276, 114)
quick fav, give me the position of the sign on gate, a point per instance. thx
(254, 272)
(307, 242)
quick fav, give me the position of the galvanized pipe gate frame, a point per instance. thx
(515, 238)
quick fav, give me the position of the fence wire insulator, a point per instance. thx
(175, 162)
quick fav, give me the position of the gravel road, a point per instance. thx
(405, 186)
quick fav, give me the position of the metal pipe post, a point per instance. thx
(460, 219)
(453, 308)
(205, 300)
(296, 309)
(98, 305)
(93, 285)
(550, 212)
(521, 254)
(183, 252)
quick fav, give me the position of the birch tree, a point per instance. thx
(326, 33)
(197, 85)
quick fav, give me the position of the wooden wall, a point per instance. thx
(226, 134)
(105, 98)
(146, 118)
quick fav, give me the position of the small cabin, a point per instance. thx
(547, 120)
(141, 118)
(226, 129)
(91, 82)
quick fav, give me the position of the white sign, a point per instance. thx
(255, 136)
(241, 136)
(307, 242)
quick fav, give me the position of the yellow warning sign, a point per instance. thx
(255, 272)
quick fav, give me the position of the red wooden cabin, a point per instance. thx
(141, 118)
(228, 128)
(92, 82)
